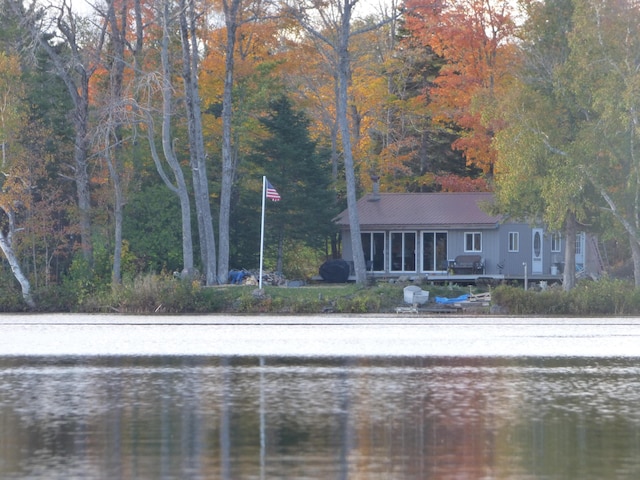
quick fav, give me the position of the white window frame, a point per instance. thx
(556, 242)
(580, 243)
(476, 242)
(371, 246)
(514, 242)
(435, 234)
(404, 234)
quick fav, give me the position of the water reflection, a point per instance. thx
(257, 418)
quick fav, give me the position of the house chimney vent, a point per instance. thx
(375, 194)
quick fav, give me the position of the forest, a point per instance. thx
(135, 133)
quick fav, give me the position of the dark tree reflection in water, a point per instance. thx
(293, 418)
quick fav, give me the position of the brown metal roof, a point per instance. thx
(424, 210)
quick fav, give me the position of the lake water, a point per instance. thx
(184, 407)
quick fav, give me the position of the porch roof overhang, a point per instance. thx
(424, 211)
(432, 227)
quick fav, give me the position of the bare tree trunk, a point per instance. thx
(113, 136)
(81, 174)
(635, 256)
(114, 173)
(343, 121)
(231, 9)
(188, 19)
(180, 187)
(569, 272)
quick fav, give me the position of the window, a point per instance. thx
(580, 243)
(473, 242)
(514, 241)
(434, 251)
(403, 251)
(373, 247)
(556, 242)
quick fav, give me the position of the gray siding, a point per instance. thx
(490, 246)
(498, 259)
(512, 261)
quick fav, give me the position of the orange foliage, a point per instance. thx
(455, 183)
(475, 39)
(258, 63)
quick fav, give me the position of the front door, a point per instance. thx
(536, 251)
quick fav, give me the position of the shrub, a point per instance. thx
(153, 293)
(80, 281)
(54, 298)
(11, 301)
(604, 297)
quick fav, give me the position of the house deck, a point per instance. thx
(464, 279)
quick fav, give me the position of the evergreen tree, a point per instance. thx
(290, 160)
(152, 226)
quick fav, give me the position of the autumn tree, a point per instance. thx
(331, 24)
(403, 145)
(14, 184)
(604, 74)
(74, 50)
(475, 38)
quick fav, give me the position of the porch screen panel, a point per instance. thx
(428, 251)
(403, 251)
(434, 251)
(441, 251)
(373, 249)
(378, 251)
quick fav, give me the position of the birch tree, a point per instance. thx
(573, 127)
(535, 178)
(14, 186)
(604, 68)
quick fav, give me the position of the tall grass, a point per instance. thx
(588, 298)
(156, 294)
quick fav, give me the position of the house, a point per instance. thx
(441, 235)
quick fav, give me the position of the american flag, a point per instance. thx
(272, 193)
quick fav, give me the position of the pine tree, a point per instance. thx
(290, 160)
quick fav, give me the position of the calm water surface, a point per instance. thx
(184, 417)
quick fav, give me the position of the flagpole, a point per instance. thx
(264, 196)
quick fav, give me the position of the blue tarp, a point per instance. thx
(461, 298)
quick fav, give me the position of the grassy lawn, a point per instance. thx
(164, 294)
(324, 298)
